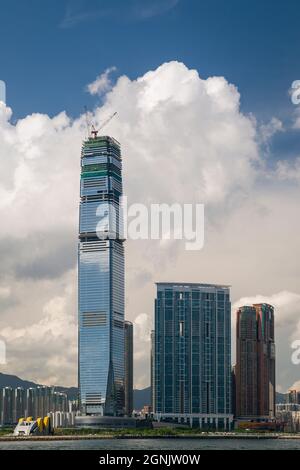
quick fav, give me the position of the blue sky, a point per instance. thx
(51, 49)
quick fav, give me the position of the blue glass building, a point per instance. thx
(101, 279)
(192, 354)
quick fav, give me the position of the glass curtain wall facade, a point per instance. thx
(266, 359)
(192, 370)
(128, 368)
(101, 279)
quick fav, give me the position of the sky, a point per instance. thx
(203, 95)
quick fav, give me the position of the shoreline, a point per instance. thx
(10, 438)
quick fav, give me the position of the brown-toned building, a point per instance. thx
(255, 367)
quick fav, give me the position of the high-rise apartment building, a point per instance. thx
(192, 370)
(246, 367)
(101, 279)
(32, 402)
(6, 405)
(255, 362)
(266, 360)
(19, 403)
(43, 401)
(128, 368)
(46, 399)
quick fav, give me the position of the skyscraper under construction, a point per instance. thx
(101, 279)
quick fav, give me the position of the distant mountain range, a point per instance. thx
(140, 397)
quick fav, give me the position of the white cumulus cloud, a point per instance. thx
(102, 83)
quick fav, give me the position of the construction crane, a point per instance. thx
(94, 132)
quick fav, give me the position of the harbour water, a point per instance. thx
(156, 444)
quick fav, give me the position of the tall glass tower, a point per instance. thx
(101, 279)
(192, 357)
